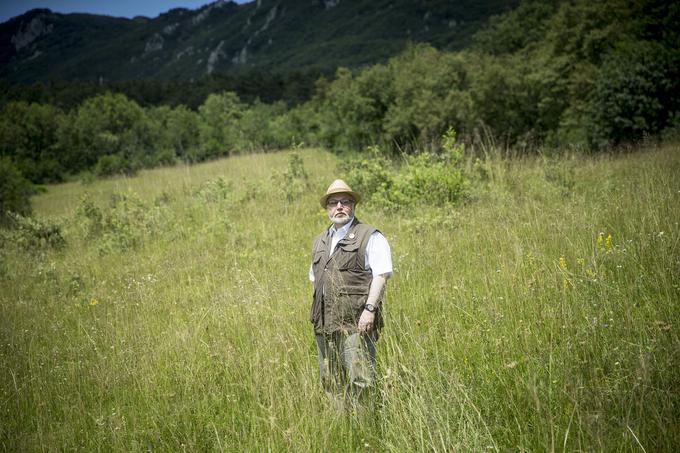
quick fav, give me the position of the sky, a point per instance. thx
(118, 8)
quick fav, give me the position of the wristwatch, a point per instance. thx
(370, 308)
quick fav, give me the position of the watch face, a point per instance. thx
(370, 308)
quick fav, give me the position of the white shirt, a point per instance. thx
(378, 254)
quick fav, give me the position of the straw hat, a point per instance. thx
(339, 186)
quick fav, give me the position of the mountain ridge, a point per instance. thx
(225, 37)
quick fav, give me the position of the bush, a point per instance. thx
(294, 181)
(114, 164)
(15, 192)
(216, 190)
(370, 175)
(425, 178)
(32, 234)
(634, 95)
(28, 133)
(123, 225)
(105, 125)
(91, 216)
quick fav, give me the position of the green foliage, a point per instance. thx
(369, 175)
(404, 105)
(113, 164)
(265, 127)
(428, 96)
(563, 73)
(515, 30)
(31, 234)
(175, 134)
(28, 133)
(106, 125)
(216, 190)
(426, 179)
(125, 224)
(15, 191)
(90, 217)
(218, 130)
(568, 75)
(352, 108)
(635, 93)
(423, 178)
(294, 181)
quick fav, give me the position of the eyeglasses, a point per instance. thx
(345, 202)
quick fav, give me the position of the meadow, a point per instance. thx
(540, 313)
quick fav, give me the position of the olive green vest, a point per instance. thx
(341, 281)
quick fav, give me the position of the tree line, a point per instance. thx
(559, 74)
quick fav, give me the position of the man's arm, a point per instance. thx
(374, 292)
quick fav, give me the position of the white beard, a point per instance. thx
(339, 221)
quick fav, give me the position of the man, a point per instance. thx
(351, 262)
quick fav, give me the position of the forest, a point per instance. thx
(554, 75)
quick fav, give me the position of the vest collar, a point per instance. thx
(348, 237)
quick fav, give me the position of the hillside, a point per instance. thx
(271, 35)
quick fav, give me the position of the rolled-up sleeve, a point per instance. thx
(379, 255)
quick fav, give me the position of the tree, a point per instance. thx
(15, 191)
(105, 125)
(218, 128)
(175, 133)
(635, 94)
(28, 133)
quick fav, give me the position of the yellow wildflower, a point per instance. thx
(608, 242)
(563, 262)
(94, 302)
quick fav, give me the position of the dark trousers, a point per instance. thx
(346, 362)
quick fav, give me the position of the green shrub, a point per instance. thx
(32, 234)
(122, 226)
(370, 175)
(114, 164)
(28, 133)
(424, 178)
(294, 181)
(15, 191)
(216, 190)
(91, 216)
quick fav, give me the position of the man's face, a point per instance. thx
(340, 208)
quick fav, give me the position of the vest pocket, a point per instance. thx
(357, 296)
(346, 255)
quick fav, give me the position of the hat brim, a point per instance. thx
(354, 195)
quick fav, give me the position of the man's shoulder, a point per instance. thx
(365, 229)
(319, 237)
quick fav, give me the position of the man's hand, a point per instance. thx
(366, 322)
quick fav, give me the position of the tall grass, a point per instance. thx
(540, 315)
